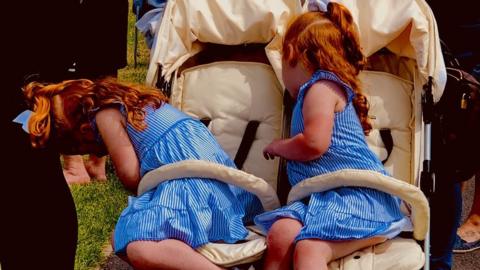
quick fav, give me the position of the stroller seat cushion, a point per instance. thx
(390, 100)
(398, 254)
(228, 255)
(231, 94)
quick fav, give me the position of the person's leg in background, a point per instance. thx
(445, 209)
(38, 222)
(38, 227)
(75, 169)
(104, 22)
(79, 171)
(469, 232)
(445, 205)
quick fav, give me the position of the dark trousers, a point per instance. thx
(38, 224)
(446, 210)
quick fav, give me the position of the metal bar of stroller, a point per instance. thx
(427, 178)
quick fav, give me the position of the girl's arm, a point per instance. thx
(111, 125)
(320, 103)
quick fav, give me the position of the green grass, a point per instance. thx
(139, 73)
(99, 204)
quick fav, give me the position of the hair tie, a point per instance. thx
(318, 5)
(23, 118)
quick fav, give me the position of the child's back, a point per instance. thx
(348, 149)
(320, 64)
(194, 210)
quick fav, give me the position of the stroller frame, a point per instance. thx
(422, 46)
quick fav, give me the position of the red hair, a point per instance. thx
(68, 105)
(329, 41)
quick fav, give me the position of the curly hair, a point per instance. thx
(329, 41)
(67, 105)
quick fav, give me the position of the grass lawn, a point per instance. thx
(99, 204)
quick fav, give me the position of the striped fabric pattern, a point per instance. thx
(343, 213)
(193, 210)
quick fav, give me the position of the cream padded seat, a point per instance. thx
(391, 103)
(231, 94)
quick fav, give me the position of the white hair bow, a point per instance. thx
(318, 5)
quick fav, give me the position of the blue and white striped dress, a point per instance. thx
(193, 210)
(345, 213)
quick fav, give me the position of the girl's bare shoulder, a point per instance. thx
(108, 115)
(328, 90)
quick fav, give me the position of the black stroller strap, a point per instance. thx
(246, 143)
(386, 135)
(206, 121)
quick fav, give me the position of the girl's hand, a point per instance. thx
(269, 151)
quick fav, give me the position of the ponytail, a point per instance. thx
(341, 17)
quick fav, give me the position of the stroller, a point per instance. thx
(220, 61)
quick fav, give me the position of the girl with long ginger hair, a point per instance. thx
(141, 132)
(321, 61)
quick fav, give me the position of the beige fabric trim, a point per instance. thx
(228, 255)
(370, 179)
(205, 169)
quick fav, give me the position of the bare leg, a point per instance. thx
(74, 170)
(470, 230)
(96, 167)
(121, 256)
(316, 254)
(167, 254)
(280, 242)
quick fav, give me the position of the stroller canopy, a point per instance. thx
(406, 28)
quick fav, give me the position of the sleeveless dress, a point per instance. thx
(345, 213)
(193, 210)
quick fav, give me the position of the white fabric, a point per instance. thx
(188, 23)
(395, 254)
(228, 255)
